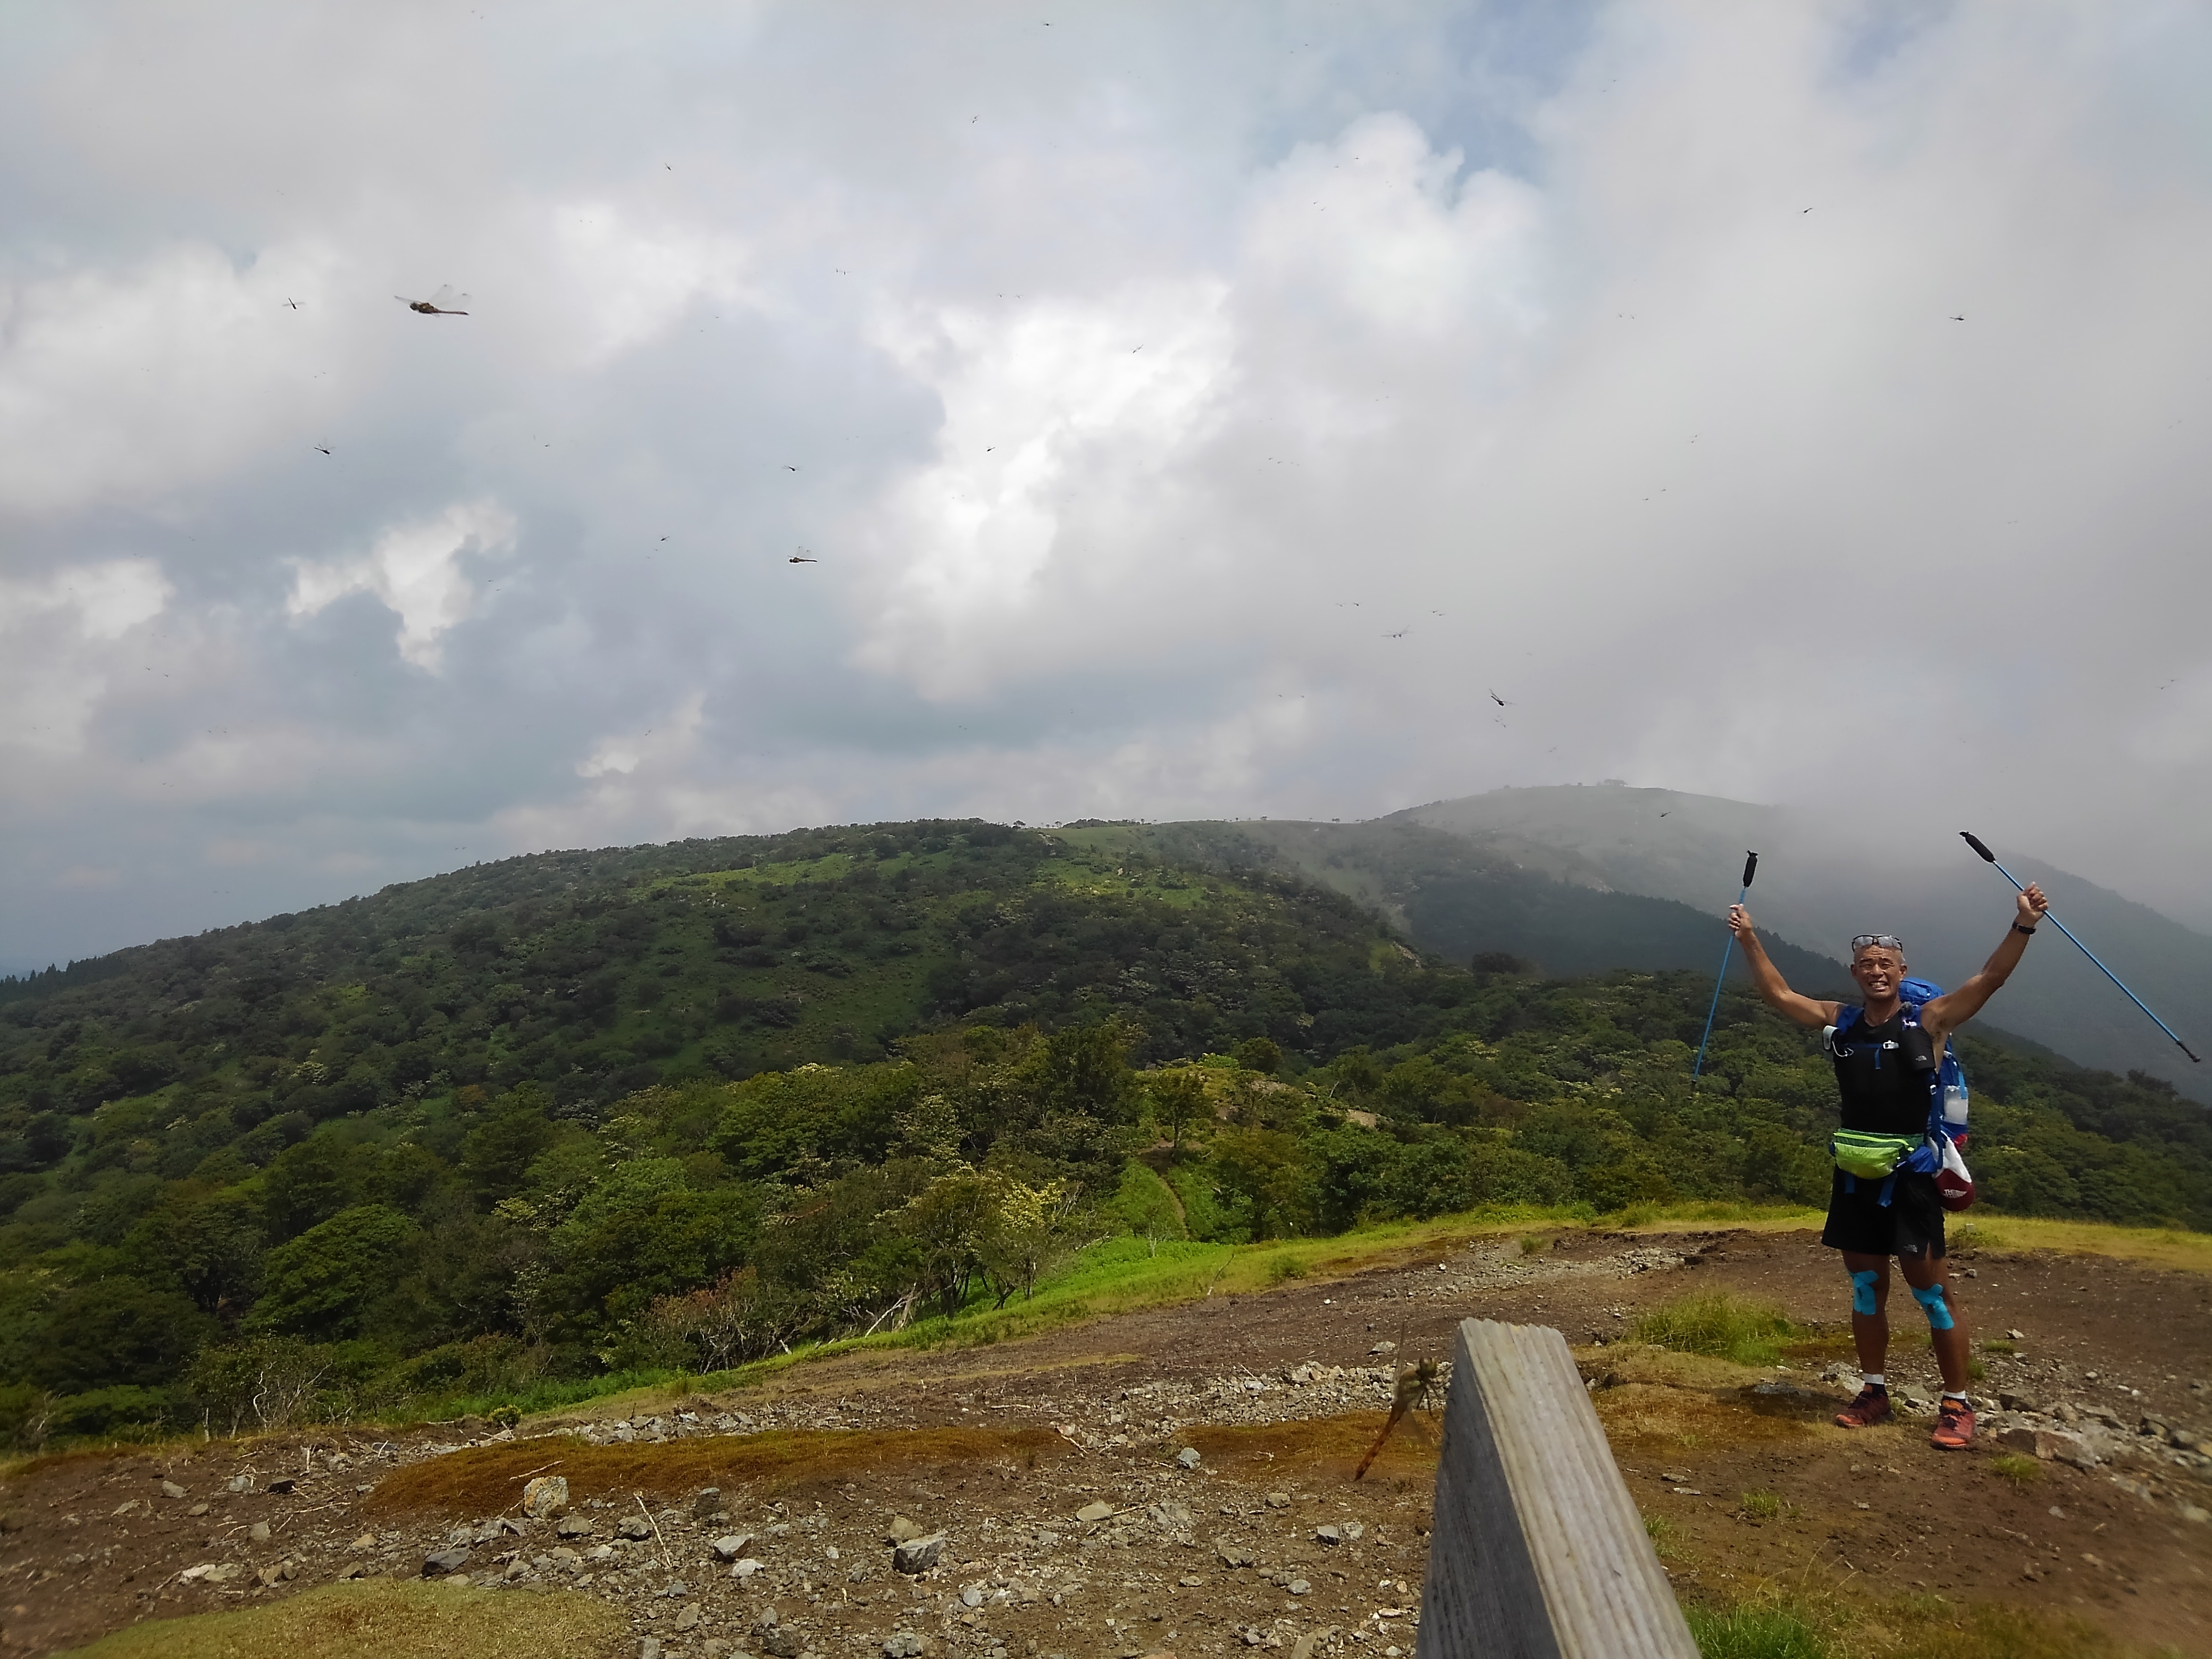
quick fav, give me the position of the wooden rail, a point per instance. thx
(1537, 1551)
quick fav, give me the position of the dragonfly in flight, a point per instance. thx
(444, 303)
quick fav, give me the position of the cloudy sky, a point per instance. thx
(1192, 410)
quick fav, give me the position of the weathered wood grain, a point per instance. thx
(1537, 1551)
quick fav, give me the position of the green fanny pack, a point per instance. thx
(1870, 1157)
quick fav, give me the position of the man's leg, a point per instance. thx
(1946, 1329)
(1871, 1333)
(1870, 1308)
(1946, 1332)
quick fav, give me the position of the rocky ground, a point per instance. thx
(1180, 1478)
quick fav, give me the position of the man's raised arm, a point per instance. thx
(1946, 1014)
(1771, 986)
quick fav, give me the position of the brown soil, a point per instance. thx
(983, 1444)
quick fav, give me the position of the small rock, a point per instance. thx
(1304, 1647)
(1353, 1532)
(782, 1643)
(901, 1530)
(648, 1647)
(258, 1532)
(635, 1528)
(2014, 1401)
(1232, 1554)
(1384, 1347)
(707, 1504)
(444, 1561)
(197, 1510)
(731, 1546)
(904, 1644)
(1300, 1586)
(746, 1568)
(1329, 1533)
(574, 1525)
(1279, 1500)
(918, 1555)
(972, 1596)
(2193, 1512)
(366, 1541)
(1188, 1457)
(171, 1489)
(239, 1483)
(2017, 1336)
(1097, 1511)
(281, 1488)
(546, 1495)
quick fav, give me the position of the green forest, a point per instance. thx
(578, 1116)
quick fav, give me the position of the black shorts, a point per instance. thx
(1910, 1223)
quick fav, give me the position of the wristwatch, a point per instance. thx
(2026, 932)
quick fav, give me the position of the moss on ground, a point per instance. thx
(392, 1620)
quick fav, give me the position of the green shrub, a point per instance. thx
(1755, 1633)
(1727, 1327)
(2016, 1467)
(1759, 1506)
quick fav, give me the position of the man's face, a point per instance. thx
(1877, 969)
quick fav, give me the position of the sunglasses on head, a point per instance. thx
(1877, 941)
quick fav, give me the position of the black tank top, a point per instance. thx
(1883, 1094)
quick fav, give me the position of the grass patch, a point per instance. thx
(1534, 1243)
(1685, 1418)
(2153, 1247)
(1724, 1325)
(1987, 1631)
(1666, 1537)
(1284, 1268)
(393, 1620)
(2016, 1467)
(482, 1480)
(1759, 1506)
(1754, 1632)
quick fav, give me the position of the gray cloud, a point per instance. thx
(1192, 413)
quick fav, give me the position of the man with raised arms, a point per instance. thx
(1885, 1068)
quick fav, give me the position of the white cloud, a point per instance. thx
(117, 383)
(414, 570)
(628, 283)
(1055, 412)
(56, 634)
(1478, 348)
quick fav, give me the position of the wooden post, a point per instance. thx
(1537, 1551)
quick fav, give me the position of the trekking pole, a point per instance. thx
(1988, 857)
(1750, 868)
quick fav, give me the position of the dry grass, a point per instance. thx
(488, 1480)
(1685, 1417)
(392, 1620)
(2152, 1247)
(1325, 1450)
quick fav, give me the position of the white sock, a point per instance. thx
(1873, 1379)
(1952, 1394)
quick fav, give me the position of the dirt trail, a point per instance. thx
(1267, 1541)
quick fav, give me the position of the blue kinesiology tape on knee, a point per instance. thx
(1863, 1291)
(1931, 1302)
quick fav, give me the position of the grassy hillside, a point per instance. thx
(1459, 896)
(1820, 881)
(540, 1125)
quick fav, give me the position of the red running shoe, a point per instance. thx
(1954, 1425)
(1872, 1407)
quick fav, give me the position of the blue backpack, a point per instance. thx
(1946, 1096)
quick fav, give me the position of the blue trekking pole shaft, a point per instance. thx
(1988, 857)
(1750, 868)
